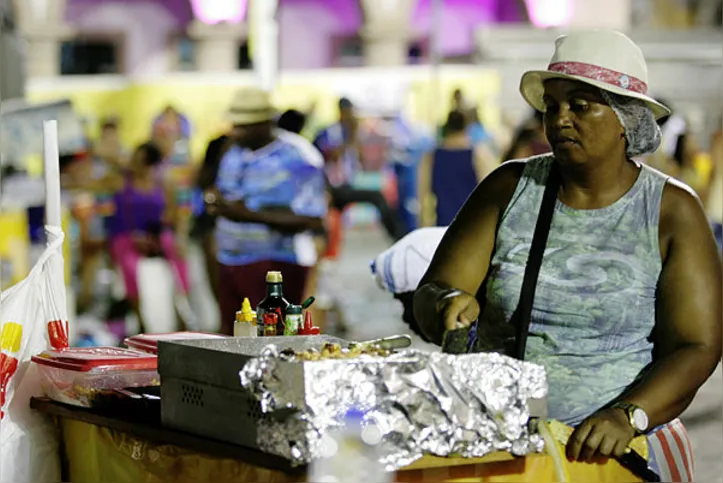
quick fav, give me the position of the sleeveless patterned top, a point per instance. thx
(594, 309)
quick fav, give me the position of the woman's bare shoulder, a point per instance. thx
(513, 169)
(510, 171)
(681, 214)
(679, 202)
(502, 182)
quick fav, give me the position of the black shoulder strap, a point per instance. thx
(523, 313)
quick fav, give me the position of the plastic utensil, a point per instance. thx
(389, 343)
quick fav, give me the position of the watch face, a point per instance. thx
(640, 420)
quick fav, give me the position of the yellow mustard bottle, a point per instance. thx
(245, 325)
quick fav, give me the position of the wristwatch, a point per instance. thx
(637, 417)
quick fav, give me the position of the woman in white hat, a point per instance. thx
(626, 317)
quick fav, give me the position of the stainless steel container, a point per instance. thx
(200, 388)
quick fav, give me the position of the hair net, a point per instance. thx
(641, 130)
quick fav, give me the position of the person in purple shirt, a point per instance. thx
(144, 220)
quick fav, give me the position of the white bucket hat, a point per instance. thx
(250, 105)
(605, 59)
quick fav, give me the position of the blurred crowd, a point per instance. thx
(273, 192)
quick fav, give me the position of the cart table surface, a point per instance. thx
(120, 447)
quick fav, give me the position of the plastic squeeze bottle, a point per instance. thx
(308, 327)
(245, 325)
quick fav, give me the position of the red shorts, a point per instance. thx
(237, 282)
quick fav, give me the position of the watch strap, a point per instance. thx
(629, 409)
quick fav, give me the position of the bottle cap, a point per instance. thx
(239, 316)
(293, 309)
(246, 305)
(274, 277)
(247, 315)
(307, 303)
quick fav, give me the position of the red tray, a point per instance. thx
(84, 359)
(149, 342)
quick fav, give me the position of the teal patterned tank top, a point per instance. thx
(594, 309)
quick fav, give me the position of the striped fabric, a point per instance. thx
(286, 174)
(671, 454)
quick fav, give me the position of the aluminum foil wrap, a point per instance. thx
(424, 403)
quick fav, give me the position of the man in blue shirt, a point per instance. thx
(269, 198)
(340, 145)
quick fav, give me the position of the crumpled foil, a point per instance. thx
(465, 405)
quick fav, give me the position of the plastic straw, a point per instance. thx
(51, 158)
(51, 165)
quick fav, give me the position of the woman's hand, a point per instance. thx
(462, 259)
(604, 434)
(458, 309)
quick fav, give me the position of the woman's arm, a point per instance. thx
(463, 256)
(687, 330)
(688, 313)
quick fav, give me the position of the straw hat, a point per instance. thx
(250, 105)
(605, 59)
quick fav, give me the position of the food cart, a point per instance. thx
(204, 408)
(203, 424)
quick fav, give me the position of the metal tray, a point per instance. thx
(201, 391)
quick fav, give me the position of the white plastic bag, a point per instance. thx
(400, 268)
(33, 318)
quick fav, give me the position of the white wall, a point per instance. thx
(147, 28)
(302, 47)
